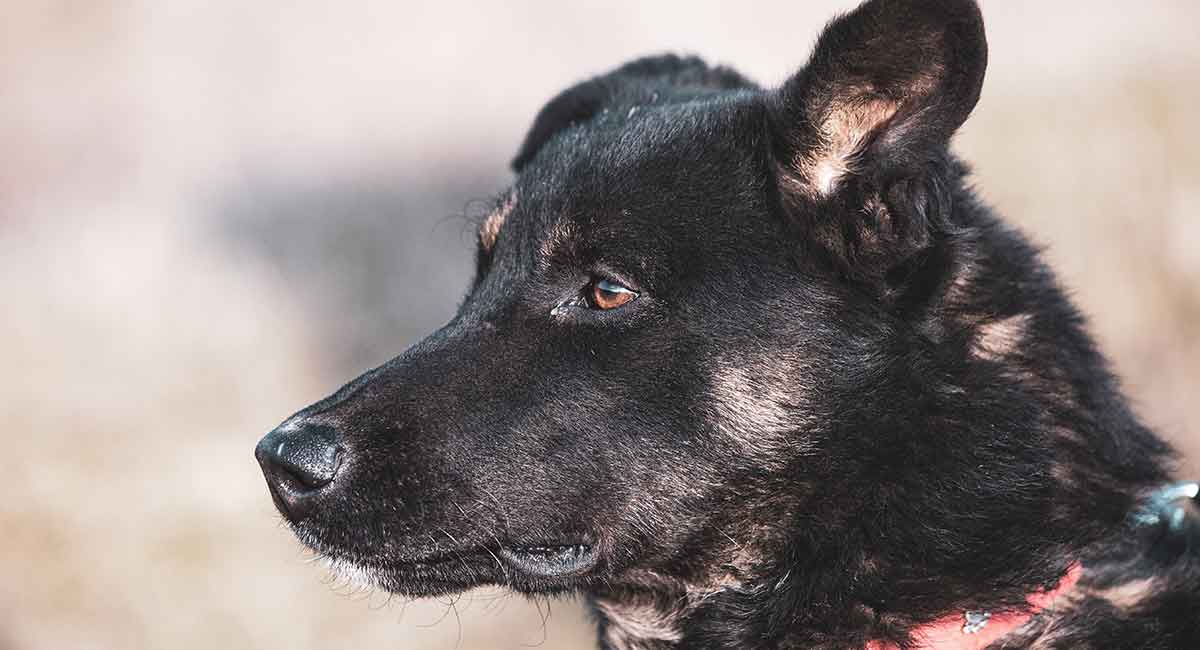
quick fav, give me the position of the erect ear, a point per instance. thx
(575, 105)
(640, 81)
(869, 118)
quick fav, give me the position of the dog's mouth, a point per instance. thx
(550, 561)
(523, 567)
(535, 561)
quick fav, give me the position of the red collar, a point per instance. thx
(948, 633)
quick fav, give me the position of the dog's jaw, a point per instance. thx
(644, 609)
(644, 619)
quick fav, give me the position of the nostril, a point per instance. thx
(299, 459)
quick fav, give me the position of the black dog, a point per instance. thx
(754, 369)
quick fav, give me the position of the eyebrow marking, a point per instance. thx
(557, 238)
(489, 231)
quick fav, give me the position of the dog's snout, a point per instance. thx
(298, 461)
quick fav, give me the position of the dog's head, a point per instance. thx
(676, 309)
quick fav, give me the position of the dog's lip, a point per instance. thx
(549, 560)
(520, 564)
(541, 560)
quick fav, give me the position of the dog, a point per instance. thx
(754, 368)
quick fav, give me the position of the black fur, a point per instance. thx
(846, 402)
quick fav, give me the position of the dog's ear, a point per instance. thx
(641, 81)
(575, 105)
(861, 131)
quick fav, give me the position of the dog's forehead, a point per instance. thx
(531, 227)
(633, 172)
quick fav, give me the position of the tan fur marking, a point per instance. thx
(632, 626)
(489, 231)
(1069, 436)
(999, 339)
(757, 405)
(647, 618)
(1064, 475)
(560, 234)
(960, 289)
(1127, 595)
(847, 119)
(843, 133)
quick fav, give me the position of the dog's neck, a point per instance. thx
(973, 630)
(650, 611)
(671, 614)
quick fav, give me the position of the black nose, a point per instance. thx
(298, 461)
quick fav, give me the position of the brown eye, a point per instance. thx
(606, 294)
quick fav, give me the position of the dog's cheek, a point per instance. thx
(759, 407)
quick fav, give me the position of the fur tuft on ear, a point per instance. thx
(638, 82)
(860, 135)
(887, 86)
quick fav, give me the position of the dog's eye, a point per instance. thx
(606, 294)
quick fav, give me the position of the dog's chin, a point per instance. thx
(527, 568)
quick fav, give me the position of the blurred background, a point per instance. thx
(214, 212)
